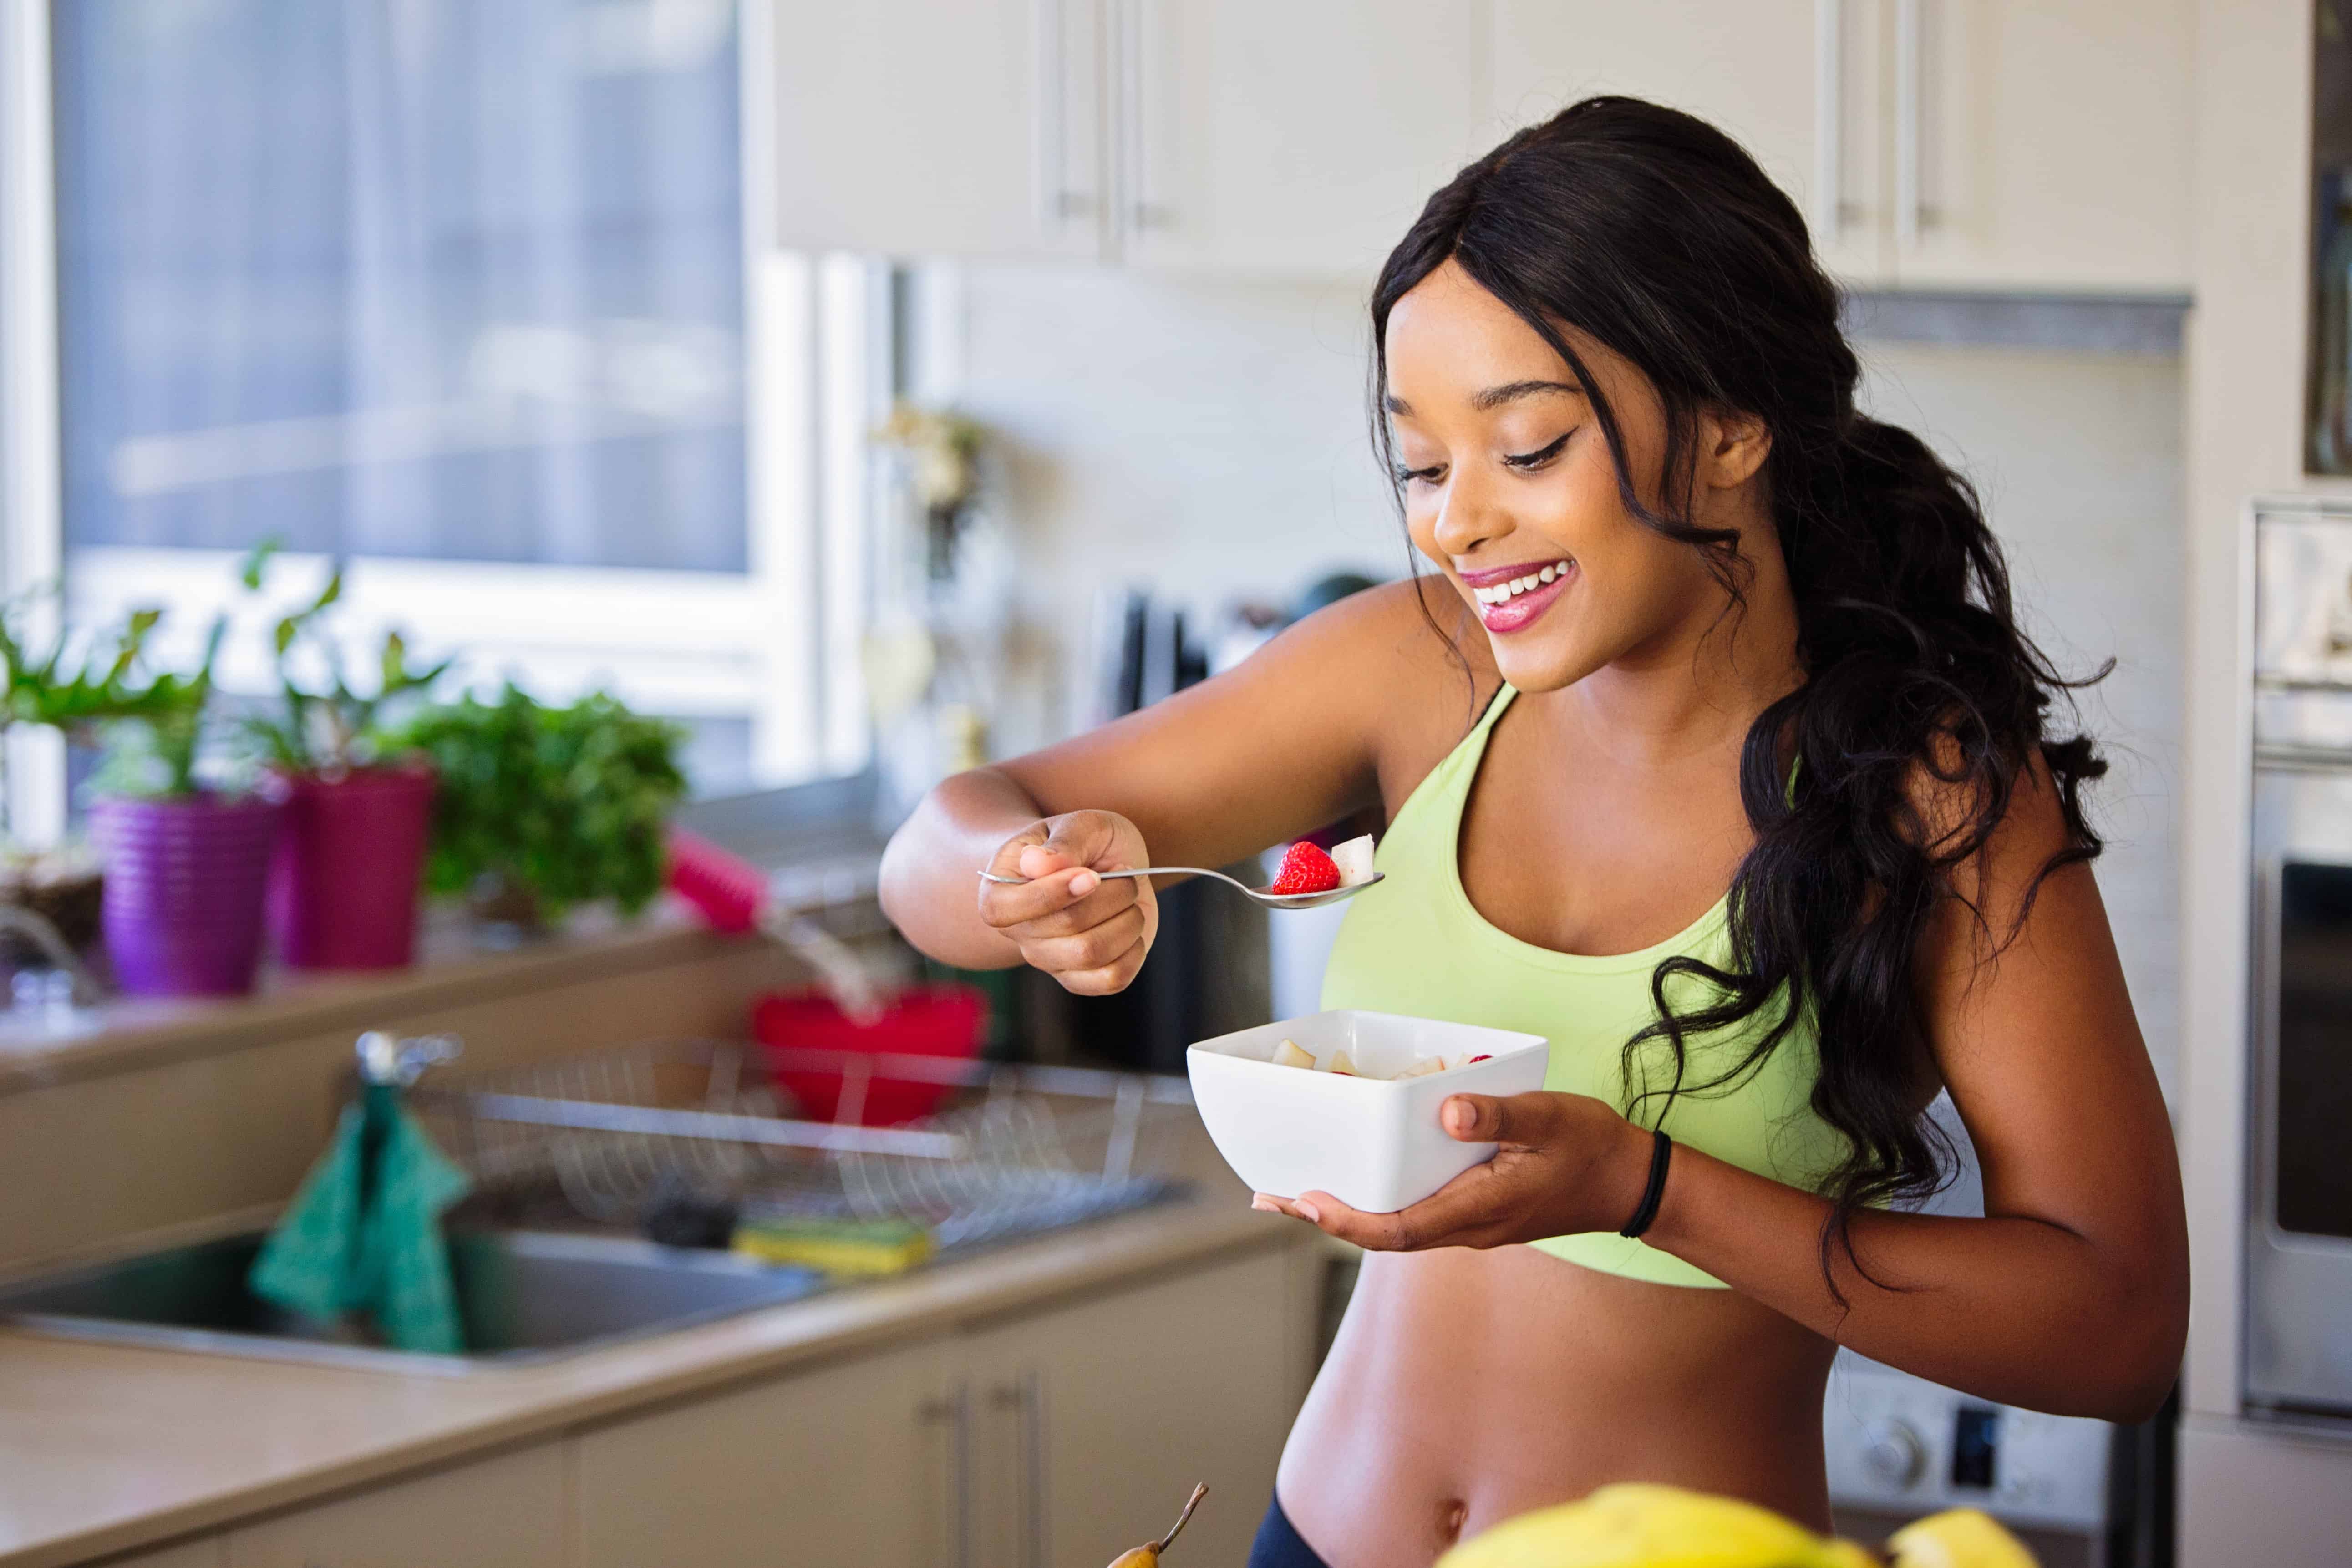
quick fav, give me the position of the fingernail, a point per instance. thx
(1082, 884)
(1264, 1204)
(1310, 1214)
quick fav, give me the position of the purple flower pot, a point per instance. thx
(185, 877)
(351, 851)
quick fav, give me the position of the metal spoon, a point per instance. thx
(1272, 900)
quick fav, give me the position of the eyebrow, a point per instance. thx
(1494, 398)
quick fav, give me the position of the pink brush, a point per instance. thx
(727, 889)
(732, 895)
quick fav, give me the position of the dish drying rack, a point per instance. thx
(1019, 1150)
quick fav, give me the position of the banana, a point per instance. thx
(1147, 1554)
(1640, 1526)
(1958, 1538)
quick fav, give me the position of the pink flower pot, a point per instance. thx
(184, 876)
(343, 886)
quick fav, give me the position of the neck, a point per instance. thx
(1697, 687)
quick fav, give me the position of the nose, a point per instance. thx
(1468, 516)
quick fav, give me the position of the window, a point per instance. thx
(474, 297)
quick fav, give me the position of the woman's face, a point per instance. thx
(1509, 488)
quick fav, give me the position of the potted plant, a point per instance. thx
(61, 886)
(540, 809)
(187, 860)
(355, 810)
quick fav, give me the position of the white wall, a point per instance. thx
(1208, 440)
(2078, 460)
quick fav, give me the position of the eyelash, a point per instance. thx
(1524, 462)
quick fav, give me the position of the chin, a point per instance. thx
(1534, 669)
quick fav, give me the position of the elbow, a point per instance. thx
(2145, 1338)
(907, 903)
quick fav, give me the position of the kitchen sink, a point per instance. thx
(525, 1297)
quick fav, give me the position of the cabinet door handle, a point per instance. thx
(1829, 117)
(1132, 19)
(955, 1413)
(1910, 45)
(1058, 200)
(1025, 1397)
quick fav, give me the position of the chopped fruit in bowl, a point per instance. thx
(1290, 1053)
(1305, 869)
(1354, 860)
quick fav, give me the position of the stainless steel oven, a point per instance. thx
(2298, 1320)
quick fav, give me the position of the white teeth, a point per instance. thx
(1503, 593)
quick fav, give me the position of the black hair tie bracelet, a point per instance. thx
(1648, 1208)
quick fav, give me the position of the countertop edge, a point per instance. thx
(612, 1383)
(132, 1035)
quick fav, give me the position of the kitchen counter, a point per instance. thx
(108, 1448)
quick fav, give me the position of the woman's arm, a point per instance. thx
(2070, 1295)
(1293, 739)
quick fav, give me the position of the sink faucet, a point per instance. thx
(385, 1059)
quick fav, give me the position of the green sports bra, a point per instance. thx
(1415, 945)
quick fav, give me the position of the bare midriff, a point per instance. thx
(1467, 1387)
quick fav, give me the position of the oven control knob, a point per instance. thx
(1892, 1451)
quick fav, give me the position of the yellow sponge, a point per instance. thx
(854, 1248)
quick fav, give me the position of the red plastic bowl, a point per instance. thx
(929, 1021)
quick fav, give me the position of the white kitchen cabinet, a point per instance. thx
(864, 1464)
(504, 1512)
(1795, 82)
(921, 127)
(2042, 145)
(1301, 137)
(1097, 1419)
(1228, 135)
(1060, 1436)
(2021, 145)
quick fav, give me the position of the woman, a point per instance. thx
(1691, 623)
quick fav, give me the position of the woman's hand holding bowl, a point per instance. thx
(1567, 1163)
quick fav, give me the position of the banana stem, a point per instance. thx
(1199, 1491)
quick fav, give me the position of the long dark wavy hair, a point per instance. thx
(1656, 235)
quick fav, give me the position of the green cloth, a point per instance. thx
(363, 1233)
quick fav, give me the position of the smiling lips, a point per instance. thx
(1512, 597)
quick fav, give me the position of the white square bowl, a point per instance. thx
(1372, 1143)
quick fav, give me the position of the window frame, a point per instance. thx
(777, 644)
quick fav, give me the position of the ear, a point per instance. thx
(1731, 448)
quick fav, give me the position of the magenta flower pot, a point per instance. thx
(351, 852)
(184, 878)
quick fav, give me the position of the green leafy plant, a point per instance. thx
(331, 728)
(75, 689)
(566, 805)
(153, 723)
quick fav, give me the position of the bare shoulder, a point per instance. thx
(1406, 662)
(1997, 845)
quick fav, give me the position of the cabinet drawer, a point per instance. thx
(843, 1468)
(505, 1513)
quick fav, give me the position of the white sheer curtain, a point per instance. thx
(407, 278)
